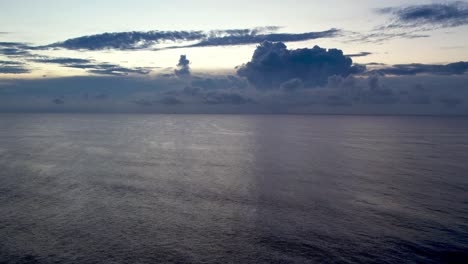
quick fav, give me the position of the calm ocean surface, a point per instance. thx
(232, 189)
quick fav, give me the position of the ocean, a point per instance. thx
(144, 188)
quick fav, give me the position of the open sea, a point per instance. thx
(116, 188)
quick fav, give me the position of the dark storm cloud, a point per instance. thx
(273, 64)
(144, 40)
(183, 67)
(456, 68)
(360, 54)
(435, 15)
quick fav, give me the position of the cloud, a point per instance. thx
(232, 40)
(226, 98)
(58, 101)
(435, 15)
(2, 62)
(63, 61)
(12, 67)
(374, 82)
(292, 84)
(380, 35)
(420, 95)
(170, 100)
(14, 49)
(450, 101)
(360, 54)
(112, 69)
(183, 67)
(273, 64)
(210, 83)
(456, 68)
(92, 66)
(126, 40)
(144, 40)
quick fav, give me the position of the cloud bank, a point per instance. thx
(143, 40)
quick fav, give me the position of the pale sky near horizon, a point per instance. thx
(46, 22)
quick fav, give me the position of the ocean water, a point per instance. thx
(232, 189)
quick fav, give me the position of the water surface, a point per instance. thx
(232, 189)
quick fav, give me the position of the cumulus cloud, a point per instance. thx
(434, 15)
(456, 68)
(183, 67)
(273, 64)
(144, 40)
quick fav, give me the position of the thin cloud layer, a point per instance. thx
(13, 67)
(14, 49)
(456, 68)
(92, 66)
(360, 54)
(143, 40)
(273, 64)
(436, 15)
(247, 39)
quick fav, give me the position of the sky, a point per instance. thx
(149, 41)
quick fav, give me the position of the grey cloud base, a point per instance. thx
(407, 95)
